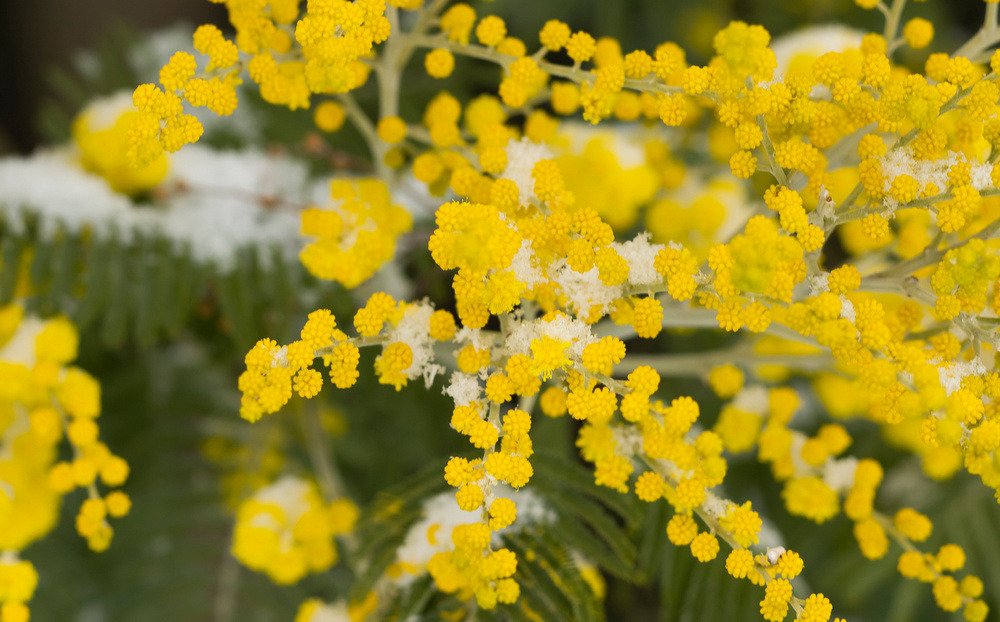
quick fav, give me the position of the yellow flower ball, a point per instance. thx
(392, 130)
(918, 33)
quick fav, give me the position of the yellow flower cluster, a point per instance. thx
(273, 372)
(896, 165)
(43, 398)
(474, 567)
(810, 491)
(162, 124)
(19, 580)
(355, 237)
(320, 54)
(104, 141)
(286, 530)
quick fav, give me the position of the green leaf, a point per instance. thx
(378, 553)
(165, 285)
(144, 285)
(41, 261)
(54, 121)
(284, 282)
(116, 314)
(538, 585)
(652, 540)
(974, 528)
(593, 515)
(68, 86)
(95, 282)
(561, 563)
(189, 287)
(907, 601)
(408, 494)
(11, 254)
(385, 524)
(557, 471)
(246, 277)
(582, 540)
(233, 289)
(414, 599)
(714, 585)
(494, 616)
(59, 294)
(675, 574)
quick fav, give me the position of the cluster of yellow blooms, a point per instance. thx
(286, 530)
(101, 136)
(42, 399)
(901, 166)
(809, 466)
(319, 56)
(356, 237)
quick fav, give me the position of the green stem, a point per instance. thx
(317, 446)
(892, 20)
(985, 37)
(693, 317)
(361, 121)
(846, 205)
(927, 258)
(389, 68)
(693, 364)
(908, 287)
(768, 149)
(224, 604)
(570, 73)
(228, 585)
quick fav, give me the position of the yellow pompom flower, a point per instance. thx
(439, 63)
(329, 116)
(491, 30)
(503, 512)
(912, 524)
(705, 547)
(739, 563)
(774, 607)
(647, 317)
(743, 164)
(554, 35)
(649, 486)
(816, 608)
(580, 46)
(457, 22)
(470, 497)
(392, 130)
(726, 380)
(681, 529)
(812, 498)
(743, 523)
